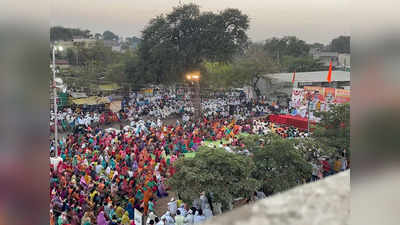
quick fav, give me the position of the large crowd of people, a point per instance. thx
(101, 176)
(161, 106)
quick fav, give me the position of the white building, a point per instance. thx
(344, 60)
(279, 86)
(327, 57)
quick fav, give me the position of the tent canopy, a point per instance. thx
(92, 100)
(109, 87)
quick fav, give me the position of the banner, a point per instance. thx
(321, 98)
(297, 97)
(342, 96)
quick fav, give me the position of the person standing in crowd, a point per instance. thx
(315, 170)
(199, 217)
(179, 219)
(172, 206)
(189, 219)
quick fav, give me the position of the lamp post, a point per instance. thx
(55, 48)
(194, 77)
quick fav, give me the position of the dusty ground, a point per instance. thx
(162, 204)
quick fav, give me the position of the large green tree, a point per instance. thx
(225, 175)
(108, 35)
(292, 54)
(253, 65)
(279, 165)
(286, 46)
(246, 69)
(184, 39)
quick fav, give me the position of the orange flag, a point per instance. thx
(329, 77)
(294, 77)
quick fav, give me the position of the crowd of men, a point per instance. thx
(160, 106)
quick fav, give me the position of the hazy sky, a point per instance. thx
(310, 20)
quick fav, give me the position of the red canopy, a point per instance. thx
(289, 120)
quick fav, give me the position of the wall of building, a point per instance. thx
(344, 60)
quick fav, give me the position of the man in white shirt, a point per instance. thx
(55, 161)
(172, 206)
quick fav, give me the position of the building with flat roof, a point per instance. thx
(279, 86)
(340, 79)
(327, 57)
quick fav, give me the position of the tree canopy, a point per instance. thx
(246, 69)
(182, 40)
(301, 64)
(286, 46)
(59, 33)
(110, 36)
(279, 165)
(293, 54)
(225, 175)
(334, 128)
(340, 44)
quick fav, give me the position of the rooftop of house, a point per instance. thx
(318, 76)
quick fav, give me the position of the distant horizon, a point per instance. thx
(313, 21)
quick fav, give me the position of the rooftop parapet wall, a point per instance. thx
(324, 202)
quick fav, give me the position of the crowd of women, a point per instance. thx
(101, 176)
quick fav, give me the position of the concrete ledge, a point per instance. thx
(324, 202)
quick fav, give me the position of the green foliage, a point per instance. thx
(59, 33)
(279, 165)
(286, 46)
(317, 46)
(133, 42)
(110, 36)
(217, 75)
(216, 171)
(184, 39)
(253, 65)
(334, 128)
(301, 64)
(313, 149)
(246, 69)
(340, 44)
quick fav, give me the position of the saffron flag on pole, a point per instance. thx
(294, 77)
(329, 77)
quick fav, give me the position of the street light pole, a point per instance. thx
(55, 101)
(198, 99)
(194, 78)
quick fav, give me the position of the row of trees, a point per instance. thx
(187, 39)
(59, 33)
